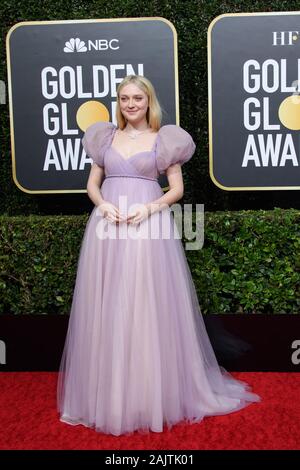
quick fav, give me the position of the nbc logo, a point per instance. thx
(75, 45)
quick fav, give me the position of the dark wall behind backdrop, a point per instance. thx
(191, 19)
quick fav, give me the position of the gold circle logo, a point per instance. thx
(89, 113)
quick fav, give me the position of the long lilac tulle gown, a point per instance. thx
(137, 355)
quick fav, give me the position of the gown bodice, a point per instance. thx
(172, 145)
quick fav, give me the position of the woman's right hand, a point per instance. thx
(111, 212)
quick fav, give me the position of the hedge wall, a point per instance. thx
(250, 262)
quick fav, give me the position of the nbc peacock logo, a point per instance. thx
(75, 45)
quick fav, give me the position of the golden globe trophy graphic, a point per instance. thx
(289, 111)
(89, 113)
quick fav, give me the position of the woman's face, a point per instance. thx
(133, 103)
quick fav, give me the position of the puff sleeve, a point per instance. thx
(174, 145)
(96, 139)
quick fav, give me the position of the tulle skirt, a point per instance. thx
(137, 356)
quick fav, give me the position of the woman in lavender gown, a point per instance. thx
(137, 355)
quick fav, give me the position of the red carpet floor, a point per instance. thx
(28, 419)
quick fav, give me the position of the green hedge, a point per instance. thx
(250, 262)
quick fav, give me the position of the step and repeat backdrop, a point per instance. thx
(63, 76)
(254, 102)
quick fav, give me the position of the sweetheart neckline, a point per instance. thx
(131, 156)
(138, 153)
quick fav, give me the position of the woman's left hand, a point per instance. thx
(139, 215)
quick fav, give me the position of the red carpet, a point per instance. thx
(28, 419)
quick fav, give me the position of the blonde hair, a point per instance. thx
(154, 111)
